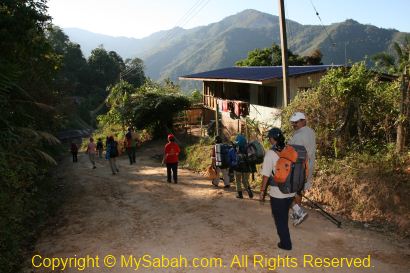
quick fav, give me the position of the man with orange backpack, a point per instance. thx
(280, 202)
(305, 136)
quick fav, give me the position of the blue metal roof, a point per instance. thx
(256, 73)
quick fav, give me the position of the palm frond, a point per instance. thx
(46, 157)
(38, 134)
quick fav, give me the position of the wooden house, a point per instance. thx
(260, 89)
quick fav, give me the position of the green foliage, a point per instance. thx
(120, 104)
(270, 56)
(350, 110)
(196, 96)
(394, 63)
(134, 72)
(198, 156)
(29, 117)
(152, 106)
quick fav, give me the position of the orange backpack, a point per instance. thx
(291, 170)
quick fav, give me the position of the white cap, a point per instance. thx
(297, 116)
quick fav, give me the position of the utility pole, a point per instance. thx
(284, 48)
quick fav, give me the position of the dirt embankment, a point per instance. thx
(136, 212)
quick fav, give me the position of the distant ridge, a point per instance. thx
(221, 44)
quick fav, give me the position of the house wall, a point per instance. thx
(296, 83)
(268, 116)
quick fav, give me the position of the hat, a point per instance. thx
(275, 133)
(171, 136)
(297, 116)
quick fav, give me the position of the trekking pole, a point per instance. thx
(330, 217)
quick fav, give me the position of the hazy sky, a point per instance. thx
(139, 18)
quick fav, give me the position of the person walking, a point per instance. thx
(239, 162)
(100, 147)
(305, 136)
(131, 145)
(224, 170)
(91, 151)
(171, 153)
(111, 154)
(74, 151)
(280, 202)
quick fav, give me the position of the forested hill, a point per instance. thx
(180, 51)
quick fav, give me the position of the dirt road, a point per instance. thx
(137, 213)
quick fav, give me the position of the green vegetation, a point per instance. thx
(29, 116)
(273, 56)
(46, 86)
(152, 107)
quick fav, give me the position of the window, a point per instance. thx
(267, 96)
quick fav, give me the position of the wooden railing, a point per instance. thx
(209, 101)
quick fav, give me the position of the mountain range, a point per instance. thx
(178, 51)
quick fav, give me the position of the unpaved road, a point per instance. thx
(137, 213)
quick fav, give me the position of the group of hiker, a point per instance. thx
(287, 167)
(111, 151)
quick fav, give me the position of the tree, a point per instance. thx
(399, 64)
(134, 72)
(151, 106)
(27, 121)
(273, 57)
(105, 67)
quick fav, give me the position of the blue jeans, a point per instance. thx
(280, 213)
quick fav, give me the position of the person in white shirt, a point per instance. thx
(303, 135)
(280, 202)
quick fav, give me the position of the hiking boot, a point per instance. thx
(94, 167)
(227, 186)
(250, 193)
(239, 195)
(284, 248)
(300, 218)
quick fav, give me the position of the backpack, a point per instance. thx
(291, 171)
(114, 149)
(222, 155)
(256, 153)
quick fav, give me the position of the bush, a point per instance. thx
(350, 110)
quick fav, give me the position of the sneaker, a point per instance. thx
(300, 218)
(293, 216)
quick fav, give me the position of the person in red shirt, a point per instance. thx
(171, 153)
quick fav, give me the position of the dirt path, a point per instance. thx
(136, 213)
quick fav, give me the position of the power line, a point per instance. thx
(321, 23)
(194, 10)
